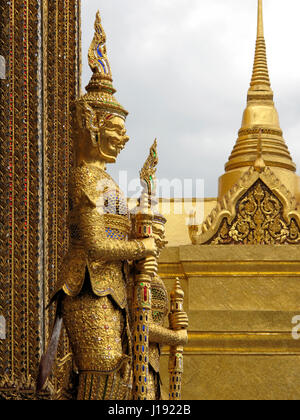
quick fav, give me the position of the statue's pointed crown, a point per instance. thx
(100, 90)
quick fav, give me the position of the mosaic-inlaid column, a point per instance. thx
(40, 55)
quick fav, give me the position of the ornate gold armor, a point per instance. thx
(94, 313)
(99, 228)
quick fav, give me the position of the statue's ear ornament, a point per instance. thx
(91, 118)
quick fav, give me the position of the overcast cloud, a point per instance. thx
(182, 69)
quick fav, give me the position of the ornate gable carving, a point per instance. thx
(259, 221)
(258, 210)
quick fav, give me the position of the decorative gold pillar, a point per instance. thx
(39, 41)
(176, 352)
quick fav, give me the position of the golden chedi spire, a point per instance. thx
(260, 121)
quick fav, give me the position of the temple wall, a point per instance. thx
(241, 301)
(177, 213)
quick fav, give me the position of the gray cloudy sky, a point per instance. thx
(182, 69)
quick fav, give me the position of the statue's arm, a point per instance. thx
(167, 337)
(99, 247)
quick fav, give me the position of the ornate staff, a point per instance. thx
(142, 287)
(176, 353)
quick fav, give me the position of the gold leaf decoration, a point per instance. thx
(259, 221)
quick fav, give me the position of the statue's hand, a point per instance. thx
(178, 320)
(147, 266)
(151, 248)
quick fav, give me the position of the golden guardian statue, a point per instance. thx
(92, 294)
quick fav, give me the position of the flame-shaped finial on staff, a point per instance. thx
(148, 172)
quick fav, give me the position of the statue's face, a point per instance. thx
(113, 139)
(159, 234)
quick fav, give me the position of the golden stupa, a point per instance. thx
(260, 116)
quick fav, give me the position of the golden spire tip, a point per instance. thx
(260, 20)
(260, 78)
